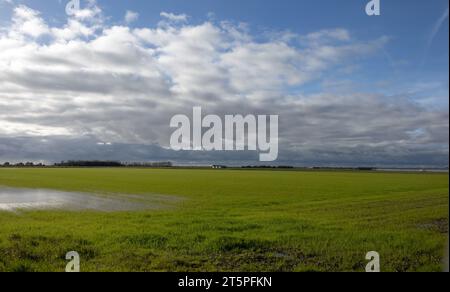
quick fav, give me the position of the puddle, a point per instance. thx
(13, 200)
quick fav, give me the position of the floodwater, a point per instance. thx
(14, 199)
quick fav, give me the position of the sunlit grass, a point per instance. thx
(233, 221)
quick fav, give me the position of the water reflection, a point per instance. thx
(13, 199)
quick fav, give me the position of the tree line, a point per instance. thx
(89, 163)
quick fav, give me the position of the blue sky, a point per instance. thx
(349, 88)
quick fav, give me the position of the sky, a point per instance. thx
(104, 82)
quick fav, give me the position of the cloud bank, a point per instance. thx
(65, 89)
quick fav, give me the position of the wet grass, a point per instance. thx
(232, 220)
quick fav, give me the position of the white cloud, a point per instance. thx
(131, 16)
(437, 27)
(28, 22)
(325, 36)
(174, 17)
(123, 85)
(72, 30)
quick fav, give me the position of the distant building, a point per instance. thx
(219, 166)
(163, 164)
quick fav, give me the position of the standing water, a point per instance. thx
(14, 199)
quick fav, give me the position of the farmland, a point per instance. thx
(232, 220)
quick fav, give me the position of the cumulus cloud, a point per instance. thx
(91, 12)
(90, 82)
(27, 22)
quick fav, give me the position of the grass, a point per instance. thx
(232, 220)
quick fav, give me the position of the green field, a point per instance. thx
(231, 220)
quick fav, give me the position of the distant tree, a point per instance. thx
(80, 163)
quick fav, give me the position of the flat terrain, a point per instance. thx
(227, 220)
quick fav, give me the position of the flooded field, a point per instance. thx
(14, 199)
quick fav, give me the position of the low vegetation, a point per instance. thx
(233, 220)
